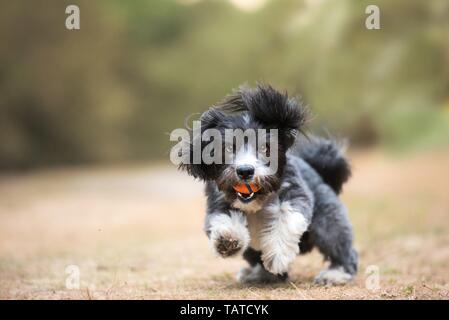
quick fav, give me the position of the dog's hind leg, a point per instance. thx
(331, 233)
(256, 273)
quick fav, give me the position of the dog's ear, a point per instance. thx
(208, 120)
(274, 110)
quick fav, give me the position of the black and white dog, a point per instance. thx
(272, 216)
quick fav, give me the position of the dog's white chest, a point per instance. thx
(255, 226)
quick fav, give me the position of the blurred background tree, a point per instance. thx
(112, 90)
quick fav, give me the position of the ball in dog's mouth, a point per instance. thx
(246, 191)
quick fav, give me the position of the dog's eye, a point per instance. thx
(229, 148)
(263, 148)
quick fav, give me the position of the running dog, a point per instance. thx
(272, 216)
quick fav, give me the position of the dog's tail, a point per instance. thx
(327, 157)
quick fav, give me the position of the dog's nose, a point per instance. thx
(245, 171)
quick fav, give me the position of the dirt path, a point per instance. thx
(137, 233)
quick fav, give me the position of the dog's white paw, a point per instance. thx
(278, 263)
(280, 236)
(229, 234)
(333, 276)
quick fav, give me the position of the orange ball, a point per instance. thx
(243, 188)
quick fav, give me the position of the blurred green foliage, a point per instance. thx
(136, 69)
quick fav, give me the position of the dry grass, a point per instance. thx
(135, 233)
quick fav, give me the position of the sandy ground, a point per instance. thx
(136, 233)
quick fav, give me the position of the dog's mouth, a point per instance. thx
(246, 197)
(246, 192)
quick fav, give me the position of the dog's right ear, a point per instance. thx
(193, 164)
(275, 110)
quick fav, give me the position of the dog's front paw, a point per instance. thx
(280, 236)
(278, 263)
(227, 246)
(228, 233)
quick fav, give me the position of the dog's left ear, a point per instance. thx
(208, 120)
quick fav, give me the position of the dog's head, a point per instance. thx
(249, 163)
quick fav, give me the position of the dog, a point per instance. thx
(271, 217)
